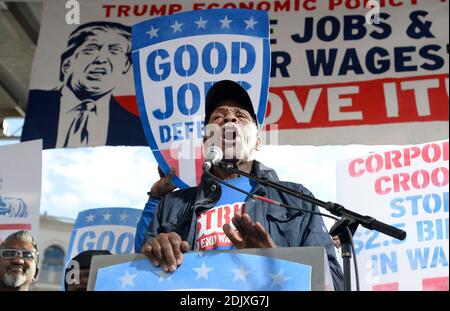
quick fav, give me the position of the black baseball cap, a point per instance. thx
(228, 90)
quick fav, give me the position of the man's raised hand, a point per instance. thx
(247, 234)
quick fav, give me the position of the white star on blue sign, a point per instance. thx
(201, 23)
(225, 22)
(90, 218)
(123, 216)
(127, 279)
(107, 216)
(164, 276)
(202, 272)
(176, 26)
(153, 32)
(279, 279)
(240, 274)
(250, 23)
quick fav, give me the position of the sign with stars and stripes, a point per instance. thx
(208, 271)
(110, 229)
(176, 59)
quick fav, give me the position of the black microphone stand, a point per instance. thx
(344, 228)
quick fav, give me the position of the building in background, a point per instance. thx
(53, 241)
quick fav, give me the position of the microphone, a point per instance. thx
(213, 156)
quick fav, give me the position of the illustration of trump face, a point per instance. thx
(97, 57)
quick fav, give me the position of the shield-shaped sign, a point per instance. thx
(176, 59)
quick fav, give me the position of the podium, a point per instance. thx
(277, 269)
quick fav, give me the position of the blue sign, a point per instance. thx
(176, 59)
(110, 229)
(208, 271)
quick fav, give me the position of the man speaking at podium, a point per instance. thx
(211, 216)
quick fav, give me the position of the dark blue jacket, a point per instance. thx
(144, 222)
(178, 212)
(42, 118)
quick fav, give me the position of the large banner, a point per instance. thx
(340, 72)
(407, 188)
(20, 188)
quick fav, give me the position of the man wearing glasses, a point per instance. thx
(18, 262)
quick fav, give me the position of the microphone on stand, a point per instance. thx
(213, 156)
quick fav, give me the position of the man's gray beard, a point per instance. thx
(14, 279)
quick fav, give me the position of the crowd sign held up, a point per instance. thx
(408, 188)
(111, 229)
(177, 58)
